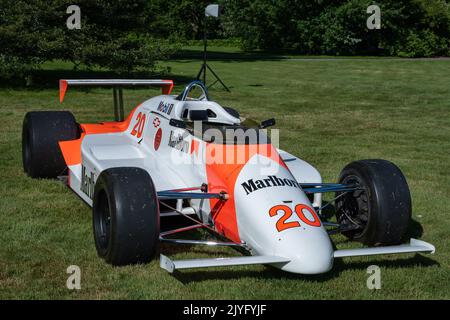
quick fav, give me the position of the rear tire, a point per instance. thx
(382, 209)
(41, 132)
(125, 216)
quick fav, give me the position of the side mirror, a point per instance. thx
(177, 123)
(267, 123)
(198, 115)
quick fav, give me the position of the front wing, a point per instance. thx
(414, 246)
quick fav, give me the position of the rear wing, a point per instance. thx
(117, 85)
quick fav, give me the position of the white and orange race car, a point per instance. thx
(186, 155)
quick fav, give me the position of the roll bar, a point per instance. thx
(196, 83)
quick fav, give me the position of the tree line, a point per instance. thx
(130, 35)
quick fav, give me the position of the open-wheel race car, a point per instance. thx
(188, 156)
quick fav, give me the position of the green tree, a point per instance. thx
(409, 27)
(180, 19)
(113, 34)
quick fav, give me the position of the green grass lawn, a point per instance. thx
(329, 113)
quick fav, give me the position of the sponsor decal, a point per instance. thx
(157, 140)
(177, 142)
(272, 181)
(156, 122)
(165, 107)
(87, 182)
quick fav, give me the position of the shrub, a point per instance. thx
(409, 27)
(113, 35)
(424, 44)
(14, 67)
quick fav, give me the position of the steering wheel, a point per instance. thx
(194, 84)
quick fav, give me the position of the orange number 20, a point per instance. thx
(287, 213)
(139, 126)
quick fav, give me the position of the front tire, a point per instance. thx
(381, 210)
(125, 216)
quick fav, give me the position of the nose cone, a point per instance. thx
(275, 217)
(310, 252)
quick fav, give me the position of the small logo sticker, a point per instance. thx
(156, 122)
(178, 142)
(157, 140)
(87, 182)
(165, 107)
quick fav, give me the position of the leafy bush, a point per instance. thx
(14, 67)
(113, 35)
(410, 28)
(424, 44)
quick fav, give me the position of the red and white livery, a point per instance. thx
(175, 155)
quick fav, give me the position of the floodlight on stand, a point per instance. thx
(211, 10)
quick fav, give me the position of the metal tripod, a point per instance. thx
(205, 65)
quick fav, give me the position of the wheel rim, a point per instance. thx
(354, 207)
(102, 220)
